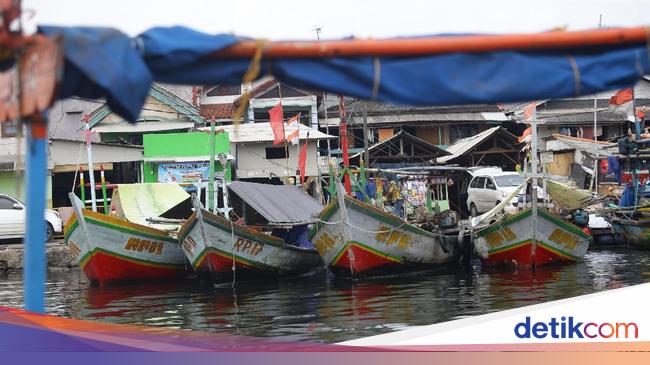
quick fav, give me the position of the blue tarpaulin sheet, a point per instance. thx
(106, 63)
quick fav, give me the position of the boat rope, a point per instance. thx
(76, 172)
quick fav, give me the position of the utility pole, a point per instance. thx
(318, 29)
(366, 154)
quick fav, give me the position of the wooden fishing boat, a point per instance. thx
(510, 240)
(218, 249)
(110, 249)
(633, 232)
(361, 240)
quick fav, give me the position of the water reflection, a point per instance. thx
(323, 309)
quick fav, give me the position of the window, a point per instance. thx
(9, 128)
(478, 183)
(274, 153)
(489, 184)
(6, 203)
(509, 180)
(225, 90)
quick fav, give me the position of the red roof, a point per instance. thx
(219, 111)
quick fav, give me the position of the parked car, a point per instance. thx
(12, 219)
(489, 188)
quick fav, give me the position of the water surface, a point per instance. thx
(327, 310)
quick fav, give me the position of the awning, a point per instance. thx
(138, 202)
(279, 204)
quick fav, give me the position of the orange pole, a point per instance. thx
(440, 44)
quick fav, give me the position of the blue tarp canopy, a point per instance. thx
(105, 63)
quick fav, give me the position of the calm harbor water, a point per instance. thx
(323, 309)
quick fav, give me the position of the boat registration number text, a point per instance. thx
(244, 245)
(563, 238)
(391, 236)
(498, 238)
(136, 244)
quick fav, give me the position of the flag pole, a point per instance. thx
(210, 200)
(104, 195)
(343, 135)
(594, 179)
(91, 172)
(298, 145)
(284, 133)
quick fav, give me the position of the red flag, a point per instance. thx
(302, 161)
(275, 115)
(621, 103)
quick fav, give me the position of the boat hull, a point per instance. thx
(632, 232)
(510, 241)
(113, 250)
(214, 246)
(365, 241)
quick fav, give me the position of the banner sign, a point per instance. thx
(186, 174)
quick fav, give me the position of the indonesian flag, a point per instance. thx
(622, 103)
(293, 129)
(530, 112)
(526, 136)
(275, 115)
(302, 161)
(640, 113)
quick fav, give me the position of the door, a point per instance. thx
(484, 196)
(491, 193)
(12, 220)
(479, 193)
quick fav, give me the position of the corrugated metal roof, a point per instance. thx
(564, 117)
(183, 159)
(420, 118)
(581, 144)
(355, 106)
(262, 132)
(399, 136)
(140, 127)
(464, 145)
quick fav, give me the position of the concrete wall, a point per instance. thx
(13, 183)
(252, 163)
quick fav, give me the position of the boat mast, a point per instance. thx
(211, 205)
(533, 175)
(594, 179)
(343, 135)
(91, 172)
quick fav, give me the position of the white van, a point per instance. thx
(489, 188)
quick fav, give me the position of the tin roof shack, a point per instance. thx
(402, 149)
(257, 157)
(437, 125)
(184, 158)
(573, 158)
(492, 147)
(162, 112)
(575, 116)
(221, 101)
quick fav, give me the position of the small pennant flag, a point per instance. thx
(275, 115)
(293, 129)
(302, 162)
(622, 103)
